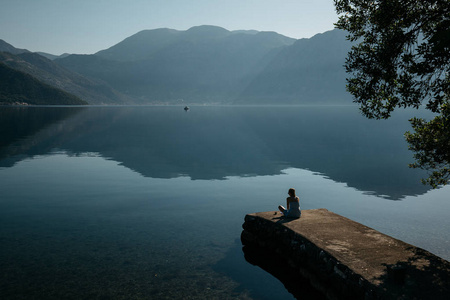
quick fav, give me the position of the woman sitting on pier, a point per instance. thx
(293, 206)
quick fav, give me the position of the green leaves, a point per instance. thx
(402, 59)
(431, 144)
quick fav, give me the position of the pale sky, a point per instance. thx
(88, 26)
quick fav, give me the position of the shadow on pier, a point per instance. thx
(278, 267)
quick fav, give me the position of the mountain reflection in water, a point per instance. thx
(218, 142)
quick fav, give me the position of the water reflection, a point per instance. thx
(217, 142)
(22, 129)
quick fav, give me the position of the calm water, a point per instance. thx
(148, 202)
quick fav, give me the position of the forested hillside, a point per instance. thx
(92, 91)
(20, 88)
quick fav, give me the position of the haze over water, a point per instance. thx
(131, 202)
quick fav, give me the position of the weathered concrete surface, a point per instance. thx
(348, 259)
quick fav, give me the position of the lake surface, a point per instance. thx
(148, 202)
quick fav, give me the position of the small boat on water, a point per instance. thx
(186, 108)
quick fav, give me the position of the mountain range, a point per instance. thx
(205, 64)
(21, 88)
(48, 72)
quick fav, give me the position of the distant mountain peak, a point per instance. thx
(146, 43)
(205, 32)
(5, 47)
(152, 31)
(245, 31)
(208, 28)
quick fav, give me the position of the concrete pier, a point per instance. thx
(347, 260)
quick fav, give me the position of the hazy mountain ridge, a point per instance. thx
(140, 45)
(309, 71)
(5, 47)
(204, 64)
(19, 87)
(48, 72)
(212, 64)
(51, 56)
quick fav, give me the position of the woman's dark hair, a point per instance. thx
(292, 192)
